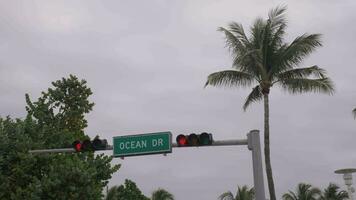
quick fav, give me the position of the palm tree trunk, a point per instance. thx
(272, 192)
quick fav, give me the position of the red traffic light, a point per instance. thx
(182, 140)
(194, 139)
(87, 145)
(77, 145)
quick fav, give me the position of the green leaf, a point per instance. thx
(302, 73)
(229, 78)
(302, 85)
(254, 96)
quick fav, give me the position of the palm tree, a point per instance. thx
(242, 194)
(304, 192)
(264, 59)
(332, 192)
(162, 194)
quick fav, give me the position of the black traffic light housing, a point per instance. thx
(193, 139)
(87, 145)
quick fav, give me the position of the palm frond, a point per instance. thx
(266, 47)
(303, 192)
(250, 62)
(301, 47)
(273, 36)
(257, 31)
(313, 194)
(273, 33)
(277, 12)
(246, 58)
(254, 96)
(277, 38)
(277, 16)
(239, 32)
(232, 42)
(226, 196)
(301, 85)
(230, 78)
(332, 192)
(244, 193)
(302, 73)
(342, 195)
(290, 196)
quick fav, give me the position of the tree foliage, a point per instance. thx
(63, 107)
(161, 194)
(55, 120)
(308, 192)
(128, 190)
(304, 192)
(333, 192)
(243, 193)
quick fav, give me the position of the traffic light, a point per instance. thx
(87, 145)
(194, 139)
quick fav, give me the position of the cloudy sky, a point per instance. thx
(147, 62)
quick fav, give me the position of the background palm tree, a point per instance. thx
(264, 59)
(333, 192)
(243, 193)
(304, 192)
(162, 194)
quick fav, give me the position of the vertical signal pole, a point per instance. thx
(253, 143)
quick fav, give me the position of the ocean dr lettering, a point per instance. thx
(140, 144)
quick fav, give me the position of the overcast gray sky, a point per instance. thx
(147, 62)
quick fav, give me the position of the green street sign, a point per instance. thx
(143, 144)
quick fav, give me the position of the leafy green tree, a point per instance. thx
(333, 192)
(63, 107)
(243, 193)
(304, 192)
(112, 193)
(17, 167)
(129, 190)
(161, 194)
(54, 121)
(266, 60)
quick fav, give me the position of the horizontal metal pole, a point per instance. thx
(174, 145)
(62, 150)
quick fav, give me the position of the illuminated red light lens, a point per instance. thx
(182, 140)
(78, 147)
